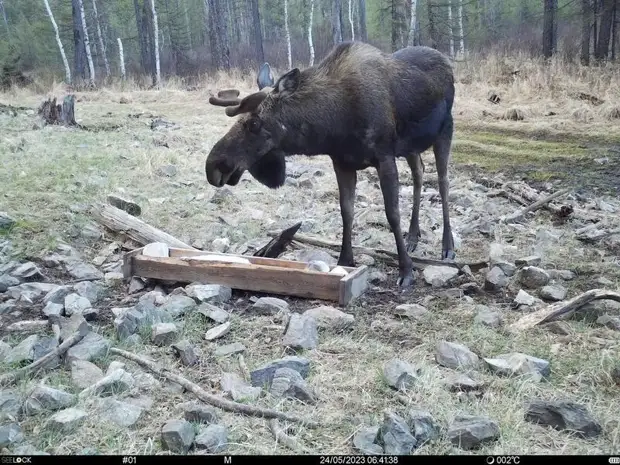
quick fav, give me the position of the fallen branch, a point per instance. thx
(535, 206)
(244, 368)
(593, 234)
(280, 436)
(278, 244)
(58, 351)
(203, 395)
(563, 309)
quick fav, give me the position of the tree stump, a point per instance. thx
(62, 114)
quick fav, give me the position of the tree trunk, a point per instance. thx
(586, 28)
(351, 24)
(289, 55)
(549, 28)
(188, 26)
(6, 21)
(450, 29)
(614, 32)
(398, 22)
(101, 41)
(218, 35)
(121, 57)
(258, 33)
(310, 42)
(604, 32)
(145, 60)
(89, 56)
(595, 24)
(362, 16)
(79, 51)
(59, 42)
(413, 18)
(336, 24)
(461, 30)
(431, 24)
(156, 45)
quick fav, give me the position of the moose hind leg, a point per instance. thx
(388, 179)
(442, 157)
(347, 179)
(417, 172)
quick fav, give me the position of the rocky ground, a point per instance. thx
(433, 370)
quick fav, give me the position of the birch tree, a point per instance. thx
(461, 31)
(6, 21)
(336, 23)
(362, 17)
(310, 42)
(450, 29)
(288, 36)
(351, 21)
(59, 42)
(101, 42)
(156, 36)
(89, 56)
(412, 23)
(121, 57)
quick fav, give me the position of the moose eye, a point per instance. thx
(254, 125)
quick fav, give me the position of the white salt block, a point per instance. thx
(318, 265)
(156, 249)
(339, 271)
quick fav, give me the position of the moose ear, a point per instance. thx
(288, 83)
(265, 77)
(247, 105)
(270, 170)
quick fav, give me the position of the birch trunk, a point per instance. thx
(461, 31)
(121, 57)
(89, 56)
(6, 21)
(288, 36)
(188, 26)
(450, 28)
(101, 42)
(412, 23)
(58, 41)
(310, 42)
(351, 21)
(156, 36)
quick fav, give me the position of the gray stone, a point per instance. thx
(422, 426)
(507, 268)
(4, 350)
(218, 331)
(156, 249)
(563, 415)
(44, 346)
(212, 438)
(553, 292)
(603, 281)
(399, 374)
(6, 223)
(114, 383)
(70, 326)
(221, 244)
(301, 332)
(10, 434)
(211, 293)
(152, 314)
(214, 313)
(238, 389)
(167, 170)
(29, 326)
(318, 265)
(523, 298)
(197, 412)
(113, 366)
(113, 278)
(67, 421)
(308, 255)
(531, 260)
(396, 436)
(128, 323)
(412, 311)
(495, 280)
(133, 340)
(461, 382)
(179, 305)
(121, 413)
(22, 352)
(53, 310)
(270, 305)
(30, 292)
(57, 295)
(365, 441)
(164, 333)
(330, 318)
(92, 347)
(288, 383)
(75, 303)
(90, 290)
(135, 285)
(565, 275)
(439, 276)
(46, 398)
(609, 322)
(229, 349)
(453, 355)
(264, 375)
(7, 281)
(177, 436)
(516, 364)
(471, 432)
(8, 306)
(10, 404)
(82, 270)
(532, 277)
(27, 272)
(488, 318)
(84, 373)
(185, 351)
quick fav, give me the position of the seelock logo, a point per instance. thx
(20, 460)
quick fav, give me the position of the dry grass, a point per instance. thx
(50, 175)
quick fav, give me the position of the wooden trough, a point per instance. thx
(266, 275)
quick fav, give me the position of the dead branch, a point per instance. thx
(563, 309)
(280, 436)
(593, 234)
(278, 244)
(535, 206)
(509, 195)
(9, 378)
(203, 395)
(244, 368)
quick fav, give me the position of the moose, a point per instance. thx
(363, 108)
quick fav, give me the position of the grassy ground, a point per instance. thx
(50, 176)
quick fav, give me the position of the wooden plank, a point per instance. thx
(353, 285)
(253, 277)
(128, 262)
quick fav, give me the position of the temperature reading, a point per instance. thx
(614, 460)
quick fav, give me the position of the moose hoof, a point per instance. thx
(406, 280)
(448, 255)
(411, 241)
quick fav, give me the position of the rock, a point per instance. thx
(128, 323)
(565, 275)
(67, 421)
(120, 413)
(218, 331)
(532, 277)
(70, 326)
(124, 204)
(330, 318)
(177, 436)
(488, 318)
(163, 333)
(7, 281)
(155, 297)
(507, 268)
(523, 298)
(531, 260)
(156, 249)
(82, 270)
(84, 374)
(178, 305)
(365, 441)
(553, 292)
(212, 438)
(609, 322)
(44, 346)
(439, 276)
(376, 278)
(22, 352)
(53, 310)
(238, 389)
(399, 374)
(10, 434)
(229, 349)
(113, 279)
(135, 285)
(4, 350)
(30, 292)
(603, 281)
(30, 326)
(221, 244)
(75, 303)
(301, 332)
(8, 306)
(461, 382)
(57, 295)
(185, 351)
(471, 432)
(563, 415)
(395, 435)
(92, 347)
(10, 404)
(270, 305)
(264, 375)
(214, 313)
(46, 398)
(133, 340)
(318, 265)
(422, 426)
(288, 383)
(6, 223)
(453, 355)
(495, 280)
(27, 272)
(412, 311)
(90, 290)
(197, 412)
(212, 293)
(114, 383)
(516, 363)
(113, 366)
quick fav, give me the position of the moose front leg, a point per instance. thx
(347, 179)
(417, 173)
(442, 157)
(388, 180)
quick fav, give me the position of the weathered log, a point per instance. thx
(278, 244)
(62, 114)
(535, 206)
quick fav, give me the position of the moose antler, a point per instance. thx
(234, 105)
(225, 98)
